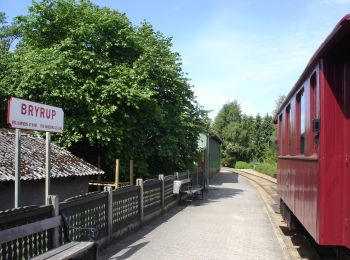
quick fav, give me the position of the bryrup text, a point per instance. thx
(37, 111)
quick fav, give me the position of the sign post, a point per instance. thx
(18, 200)
(48, 165)
(24, 114)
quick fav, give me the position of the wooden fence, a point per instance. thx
(113, 212)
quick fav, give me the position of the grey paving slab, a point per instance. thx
(230, 223)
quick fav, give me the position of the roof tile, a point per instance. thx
(63, 163)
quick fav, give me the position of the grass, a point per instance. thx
(268, 168)
(242, 165)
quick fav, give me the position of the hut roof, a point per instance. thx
(63, 163)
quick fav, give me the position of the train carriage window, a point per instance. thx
(301, 120)
(314, 114)
(279, 135)
(287, 131)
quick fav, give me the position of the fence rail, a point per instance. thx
(112, 212)
(152, 192)
(126, 207)
(86, 211)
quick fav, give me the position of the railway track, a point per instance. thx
(299, 244)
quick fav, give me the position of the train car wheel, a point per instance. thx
(288, 217)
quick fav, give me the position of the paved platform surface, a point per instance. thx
(230, 223)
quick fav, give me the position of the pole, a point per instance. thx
(110, 213)
(139, 182)
(99, 176)
(48, 166)
(54, 201)
(161, 178)
(116, 180)
(131, 172)
(18, 169)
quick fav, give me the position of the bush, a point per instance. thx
(242, 165)
(267, 168)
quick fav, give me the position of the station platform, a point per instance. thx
(230, 223)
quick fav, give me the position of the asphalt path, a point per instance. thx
(230, 223)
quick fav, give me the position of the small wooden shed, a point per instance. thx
(209, 153)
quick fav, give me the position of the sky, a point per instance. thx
(251, 51)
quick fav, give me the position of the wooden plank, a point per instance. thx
(67, 251)
(72, 252)
(28, 229)
(55, 251)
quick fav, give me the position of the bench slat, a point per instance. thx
(66, 251)
(54, 251)
(28, 229)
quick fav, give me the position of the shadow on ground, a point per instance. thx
(217, 192)
(127, 241)
(218, 189)
(224, 177)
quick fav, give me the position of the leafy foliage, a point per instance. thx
(245, 138)
(122, 88)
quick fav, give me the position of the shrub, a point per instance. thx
(267, 168)
(242, 165)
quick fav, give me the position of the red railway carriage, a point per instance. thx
(314, 143)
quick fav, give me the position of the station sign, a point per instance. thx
(24, 114)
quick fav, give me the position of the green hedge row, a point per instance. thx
(269, 168)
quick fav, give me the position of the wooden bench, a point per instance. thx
(70, 250)
(185, 187)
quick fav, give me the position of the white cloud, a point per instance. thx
(336, 1)
(229, 62)
(253, 68)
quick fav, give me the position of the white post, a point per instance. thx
(54, 201)
(48, 166)
(110, 212)
(18, 169)
(161, 177)
(139, 182)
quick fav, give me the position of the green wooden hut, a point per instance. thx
(209, 155)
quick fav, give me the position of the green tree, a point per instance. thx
(122, 88)
(278, 103)
(245, 138)
(7, 36)
(236, 132)
(228, 116)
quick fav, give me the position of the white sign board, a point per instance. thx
(202, 141)
(24, 114)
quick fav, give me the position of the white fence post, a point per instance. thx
(139, 182)
(161, 178)
(110, 212)
(54, 201)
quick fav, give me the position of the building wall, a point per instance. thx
(33, 192)
(214, 156)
